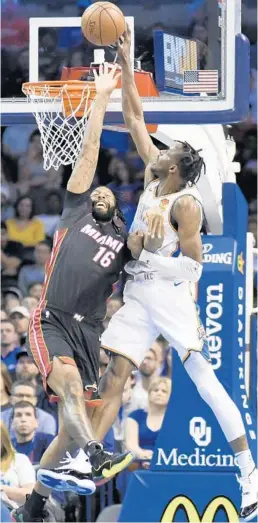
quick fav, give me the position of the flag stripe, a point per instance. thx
(200, 81)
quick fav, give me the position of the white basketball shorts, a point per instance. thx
(152, 308)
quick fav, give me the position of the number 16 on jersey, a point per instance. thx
(104, 257)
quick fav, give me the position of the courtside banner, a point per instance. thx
(192, 497)
(191, 438)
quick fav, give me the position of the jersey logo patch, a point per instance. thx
(163, 204)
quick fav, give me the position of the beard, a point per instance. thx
(24, 375)
(5, 345)
(101, 215)
(146, 373)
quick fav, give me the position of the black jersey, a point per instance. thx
(86, 260)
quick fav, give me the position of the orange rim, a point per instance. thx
(73, 86)
(72, 96)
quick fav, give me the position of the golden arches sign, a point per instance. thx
(191, 511)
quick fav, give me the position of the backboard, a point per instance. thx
(194, 50)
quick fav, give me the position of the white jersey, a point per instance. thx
(148, 200)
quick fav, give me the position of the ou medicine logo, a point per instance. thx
(200, 432)
(193, 516)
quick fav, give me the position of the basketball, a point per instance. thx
(103, 23)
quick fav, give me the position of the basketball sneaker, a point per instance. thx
(73, 474)
(249, 505)
(105, 465)
(22, 514)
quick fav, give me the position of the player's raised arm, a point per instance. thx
(187, 214)
(84, 169)
(132, 106)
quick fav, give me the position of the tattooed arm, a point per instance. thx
(85, 167)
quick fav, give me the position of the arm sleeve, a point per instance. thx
(184, 268)
(75, 207)
(25, 470)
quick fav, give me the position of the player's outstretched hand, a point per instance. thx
(154, 238)
(124, 46)
(107, 79)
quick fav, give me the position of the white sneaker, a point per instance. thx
(73, 474)
(249, 505)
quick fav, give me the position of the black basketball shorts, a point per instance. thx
(72, 339)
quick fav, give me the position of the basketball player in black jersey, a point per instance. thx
(65, 328)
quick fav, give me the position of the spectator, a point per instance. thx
(25, 227)
(51, 58)
(12, 298)
(9, 348)
(147, 370)
(11, 256)
(26, 370)
(24, 390)
(76, 56)
(159, 351)
(31, 172)
(123, 187)
(27, 440)
(5, 387)
(109, 440)
(29, 303)
(142, 427)
(17, 476)
(53, 212)
(35, 273)
(7, 210)
(5, 514)
(15, 139)
(119, 425)
(3, 315)
(167, 364)
(35, 290)
(20, 318)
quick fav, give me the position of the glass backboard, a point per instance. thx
(193, 50)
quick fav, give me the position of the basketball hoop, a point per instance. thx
(61, 110)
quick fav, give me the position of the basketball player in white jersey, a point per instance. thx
(166, 244)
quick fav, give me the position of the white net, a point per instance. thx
(56, 114)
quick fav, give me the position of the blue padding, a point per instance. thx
(113, 139)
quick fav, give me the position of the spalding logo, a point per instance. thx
(207, 247)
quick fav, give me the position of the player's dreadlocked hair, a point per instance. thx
(190, 164)
(118, 217)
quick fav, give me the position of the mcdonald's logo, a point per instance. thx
(209, 514)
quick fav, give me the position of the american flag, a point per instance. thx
(200, 82)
